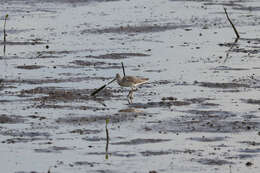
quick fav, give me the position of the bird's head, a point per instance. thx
(118, 76)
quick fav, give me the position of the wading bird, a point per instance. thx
(132, 82)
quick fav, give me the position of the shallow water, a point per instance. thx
(199, 112)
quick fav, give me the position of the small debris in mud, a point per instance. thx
(53, 149)
(249, 163)
(5, 119)
(87, 63)
(208, 139)
(29, 67)
(221, 85)
(252, 143)
(37, 117)
(214, 162)
(159, 153)
(160, 104)
(85, 163)
(169, 98)
(85, 131)
(136, 29)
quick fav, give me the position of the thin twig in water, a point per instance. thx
(107, 135)
(123, 67)
(233, 26)
(6, 16)
(233, 44)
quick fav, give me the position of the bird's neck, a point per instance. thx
(118, 79)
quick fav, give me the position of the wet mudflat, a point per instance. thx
(199, 112)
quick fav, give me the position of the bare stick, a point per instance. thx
(107, 135)
(123, 68)
(6, 16)
(233, 26)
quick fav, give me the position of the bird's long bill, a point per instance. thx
(99, 89)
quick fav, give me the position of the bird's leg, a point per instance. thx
(130, 96)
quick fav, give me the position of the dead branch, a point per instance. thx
(233, 26)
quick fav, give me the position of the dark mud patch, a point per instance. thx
(123, 154)
(136, 29)
(54, 149)
(87, 63)
(231, 44)
(159, 104)
(221, 85)
(162, 82)
(118, 55)
(85, 131)
(86, 163)
(29, 67)
(130, 110)
(118, 154)
(56, 94)
(140, 141)
(211, 114)
(214, 162)
(26, 172)
(15, 43)
(226, 68)
(244, 50)
(250, 150)
(69, 107)
(76, 2)
(247, 8)
(251, 101)
(94, 139)
(7, 119)
(55, 53)
(208, 139)
(160, 153)
(198, 100)
(22, 140)
(251, 143)
(205, 121)
(97, 64)
(25, 134)
(51, 80)
(115, 118)
(61, 52)
(170, 98)
(243, 156)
